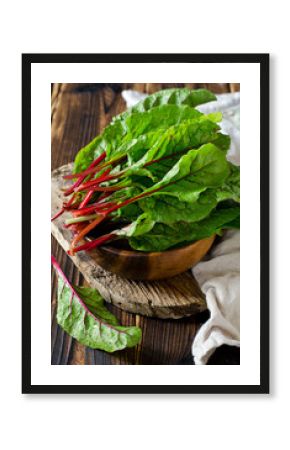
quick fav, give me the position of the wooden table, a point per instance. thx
(78, 113)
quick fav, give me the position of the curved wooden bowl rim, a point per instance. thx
(138, 254)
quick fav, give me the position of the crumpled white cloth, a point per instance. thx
(219, 273)
(219, 279)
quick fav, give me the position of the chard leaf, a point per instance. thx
(195, 171)
(135, 150)
(120, 136)
(129, 212)
(235, 223)
(222, 141)
(214, 116)
(160, 142)
(142, 225)
(82, 314)
(230, 189)
(187, 192)
(186, 135)
(87, 154)
(161, 117)
(114, 134)
(173, 96)
(162, 237)
(96, 304)
(137, 124)
(168, 209)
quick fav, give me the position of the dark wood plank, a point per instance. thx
(235, 87)
(79, 112)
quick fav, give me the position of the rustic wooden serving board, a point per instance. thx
(173, 298)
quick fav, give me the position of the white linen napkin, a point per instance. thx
(219, 273)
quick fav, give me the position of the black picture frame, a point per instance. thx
(27, 61)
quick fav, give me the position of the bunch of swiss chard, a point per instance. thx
(158, 176)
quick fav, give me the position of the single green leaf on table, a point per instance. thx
(82, 314)
(96, 304)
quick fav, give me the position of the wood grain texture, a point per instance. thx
(235, 87)
(79, 112)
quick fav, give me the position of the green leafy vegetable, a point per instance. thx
(184, 136)
(172, 96)
(161, 117)
(198, 169)
(230, 189)
(82, 314)
(157, 176)
(160, 237)
(168, 209)
(112, 136)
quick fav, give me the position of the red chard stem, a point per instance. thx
(93, 244)
(86, 230)
(91, 170)
(58, 214)
(82, 178)
(86, 199)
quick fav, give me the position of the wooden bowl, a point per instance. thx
(136, 265)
